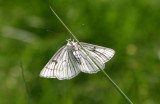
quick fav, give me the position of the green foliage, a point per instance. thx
(30, 32)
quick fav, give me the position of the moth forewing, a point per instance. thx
(105, 53)
(48, 71)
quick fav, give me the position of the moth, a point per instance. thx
(71, 59)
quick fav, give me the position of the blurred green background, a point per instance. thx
(31, 34)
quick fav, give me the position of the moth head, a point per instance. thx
(69, 41)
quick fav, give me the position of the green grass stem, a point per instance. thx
(114, 84)
(22, 70)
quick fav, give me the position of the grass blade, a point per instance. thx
(114, 84)
(27, 91)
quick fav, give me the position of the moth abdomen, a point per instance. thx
(77, 56)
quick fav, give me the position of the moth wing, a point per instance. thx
(68, 68)
(62, 65)
(99, 54)
(87, 65)
(103, 54)
(48, 70)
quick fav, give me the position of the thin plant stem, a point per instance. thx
(28, 98)
(109, 78)
(64, 24)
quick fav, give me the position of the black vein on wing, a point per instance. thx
(59, 62)
(70, 58)
(67, 63)
(97, 54)
(106, 54)
(90, 64)
(96, 57)
(103, 55)
(90, 48)
(58, 52)
(64, 62)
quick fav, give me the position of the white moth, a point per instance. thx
(70, 60)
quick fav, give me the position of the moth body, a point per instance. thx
(74, 47)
